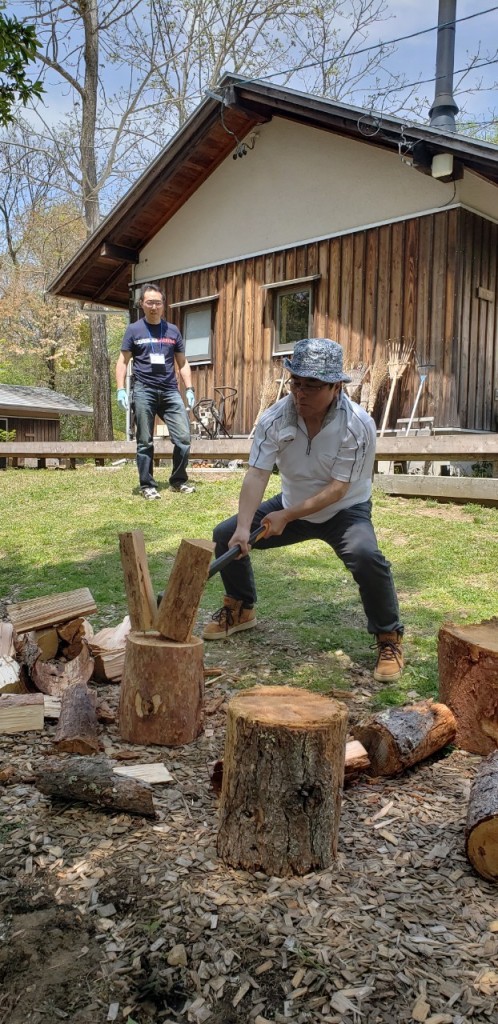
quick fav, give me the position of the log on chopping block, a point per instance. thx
(177, 611)
(468, 682)
(77, 728)
(282, 781)
(397, 738)
(481, 831)
(162, 690)
(139, 592)
(91, 780)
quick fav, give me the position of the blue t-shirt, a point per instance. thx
(153, 348)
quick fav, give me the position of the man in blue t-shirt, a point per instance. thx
(157, 349)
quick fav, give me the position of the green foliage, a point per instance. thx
(7, 435)
(18, 48)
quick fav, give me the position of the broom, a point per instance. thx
(399, 355)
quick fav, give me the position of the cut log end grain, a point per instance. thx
(481, 832)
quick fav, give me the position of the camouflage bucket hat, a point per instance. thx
(320, 358)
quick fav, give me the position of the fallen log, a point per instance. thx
(282, 781)
(93, 781)
(481, 831)
(77, 729)
(53, 677)
(468, 682)
(397, 738)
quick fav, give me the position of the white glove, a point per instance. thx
(122, 398)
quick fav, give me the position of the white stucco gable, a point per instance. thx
(296, 185)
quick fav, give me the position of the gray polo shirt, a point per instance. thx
(344, 449)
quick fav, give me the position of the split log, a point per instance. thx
(108, 650)
(109, 666)
(50, 611)
(10, 675)
(138, 585)
(282, 781)
(47, 640)
(162, 690)
(21, 712)
(356, 759)
(398, 738)
(7, 646)
(53, 677)
(468, 682)
(92, 781)
(77, 729)
(177, 611)
(481, 831)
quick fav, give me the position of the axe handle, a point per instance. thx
(223, 560)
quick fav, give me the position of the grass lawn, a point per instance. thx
(60, 532)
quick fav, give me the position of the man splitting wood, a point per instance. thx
(324, 447)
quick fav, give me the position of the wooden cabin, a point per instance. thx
(274, 215)
(33, 414)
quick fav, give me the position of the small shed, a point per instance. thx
(34, 414)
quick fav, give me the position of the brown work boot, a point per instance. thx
(232, 618)
(390, 662)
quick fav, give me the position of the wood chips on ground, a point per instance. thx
(113, 918)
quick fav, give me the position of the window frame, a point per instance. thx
(187, 306)
(279, 347)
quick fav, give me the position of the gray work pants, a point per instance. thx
(351, 535)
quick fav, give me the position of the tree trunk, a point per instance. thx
(77, 728)
(481, 832)
(397, 738)
(92, 781)
(162, 690)
(282, 781)
(468, 682)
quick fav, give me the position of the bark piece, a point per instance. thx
(92, 780)
(162, 690)
(397, 738)
(53, 677)
(481, 832)
(138, 585)
(177, 611)
(468, 682)
(21, 712)
(282, 780)
(77, 729)
(50, 611)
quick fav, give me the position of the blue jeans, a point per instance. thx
(150, 402)
(349, 533)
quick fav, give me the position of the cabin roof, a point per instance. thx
(100, 271)
(17, 398)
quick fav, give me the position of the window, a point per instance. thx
(197, 332)
(293, 316)
(3, 429)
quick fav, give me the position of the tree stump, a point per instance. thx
(468, 682)
(481, 832)
(282, 781)
(162, 690)
(398, 738)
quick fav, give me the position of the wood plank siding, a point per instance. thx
(415, 280)
(33, 429)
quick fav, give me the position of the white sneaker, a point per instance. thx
(150, 493)
(182, 488)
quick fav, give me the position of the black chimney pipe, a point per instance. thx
(443, 110)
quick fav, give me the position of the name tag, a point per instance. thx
(157, 358)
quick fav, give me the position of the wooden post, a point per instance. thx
(138, 585)
(162, 690)
(481, 832)
(282, 780)
(468, 682)
(178, 609)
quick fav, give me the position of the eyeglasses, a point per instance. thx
(301, 385)
(152, 302)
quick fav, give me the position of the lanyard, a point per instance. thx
(155, 343)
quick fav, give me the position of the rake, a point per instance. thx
(399, 355)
